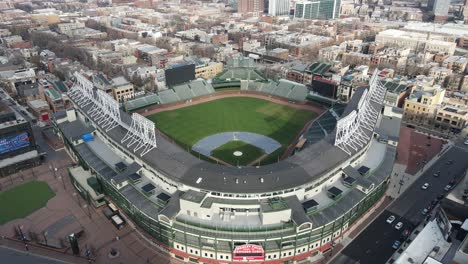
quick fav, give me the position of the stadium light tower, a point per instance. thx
(142, 133)
(82, 90)
(350, 130)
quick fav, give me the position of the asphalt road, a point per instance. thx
(374, 244)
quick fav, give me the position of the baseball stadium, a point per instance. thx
(256, 173)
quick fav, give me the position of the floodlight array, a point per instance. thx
(105, 111)
(350, 130)
(82, 91)
(141, 135)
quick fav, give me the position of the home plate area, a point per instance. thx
(208, 145)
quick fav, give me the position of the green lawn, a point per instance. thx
(22, 200)
(226, 153)
(190, 124)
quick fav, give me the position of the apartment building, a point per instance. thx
(208, 70)
(422, 104)
(452, 117)
(121, 89)
(317, 9)
(418, 42)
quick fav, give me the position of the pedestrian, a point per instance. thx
(26, 246)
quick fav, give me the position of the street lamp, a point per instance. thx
(401, 184)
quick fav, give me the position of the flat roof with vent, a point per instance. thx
(134, 177)
(335, 191)
(309, 204)
(363, 170)
(148, 188)
(121, 166)
(163, 197)
(349, 180)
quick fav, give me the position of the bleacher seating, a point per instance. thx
(283, 89)
(298, 93)
(178, 93)
(168, 96)
(183, 91)
(141, 102)
(200, 87)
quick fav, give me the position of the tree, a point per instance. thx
(164, 43)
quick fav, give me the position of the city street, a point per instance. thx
(374, 244)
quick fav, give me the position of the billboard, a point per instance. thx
(248, 252)
(11, 143)
(180, 74)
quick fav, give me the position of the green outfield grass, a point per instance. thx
(190, 124)
(23, 200)
(226, 153)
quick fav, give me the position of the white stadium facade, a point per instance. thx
(287, 212)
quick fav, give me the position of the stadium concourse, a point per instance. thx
(291, 211)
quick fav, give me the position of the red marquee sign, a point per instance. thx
(248, 252)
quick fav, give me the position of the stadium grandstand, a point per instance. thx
(292, 211)
(177, 93)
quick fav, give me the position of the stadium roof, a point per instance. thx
(319, 68)
(176, 163)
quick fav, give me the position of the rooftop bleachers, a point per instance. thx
(183, 91)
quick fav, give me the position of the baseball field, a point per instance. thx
(188, 125)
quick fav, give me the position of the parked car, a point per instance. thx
(405, 234)
(396, 244)
(440, 197)
(425, 186)
(391, 219)
(424, 211)
(466, 142)
(399, 225)
(448, 187)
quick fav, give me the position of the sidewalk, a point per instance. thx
(395, 189)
